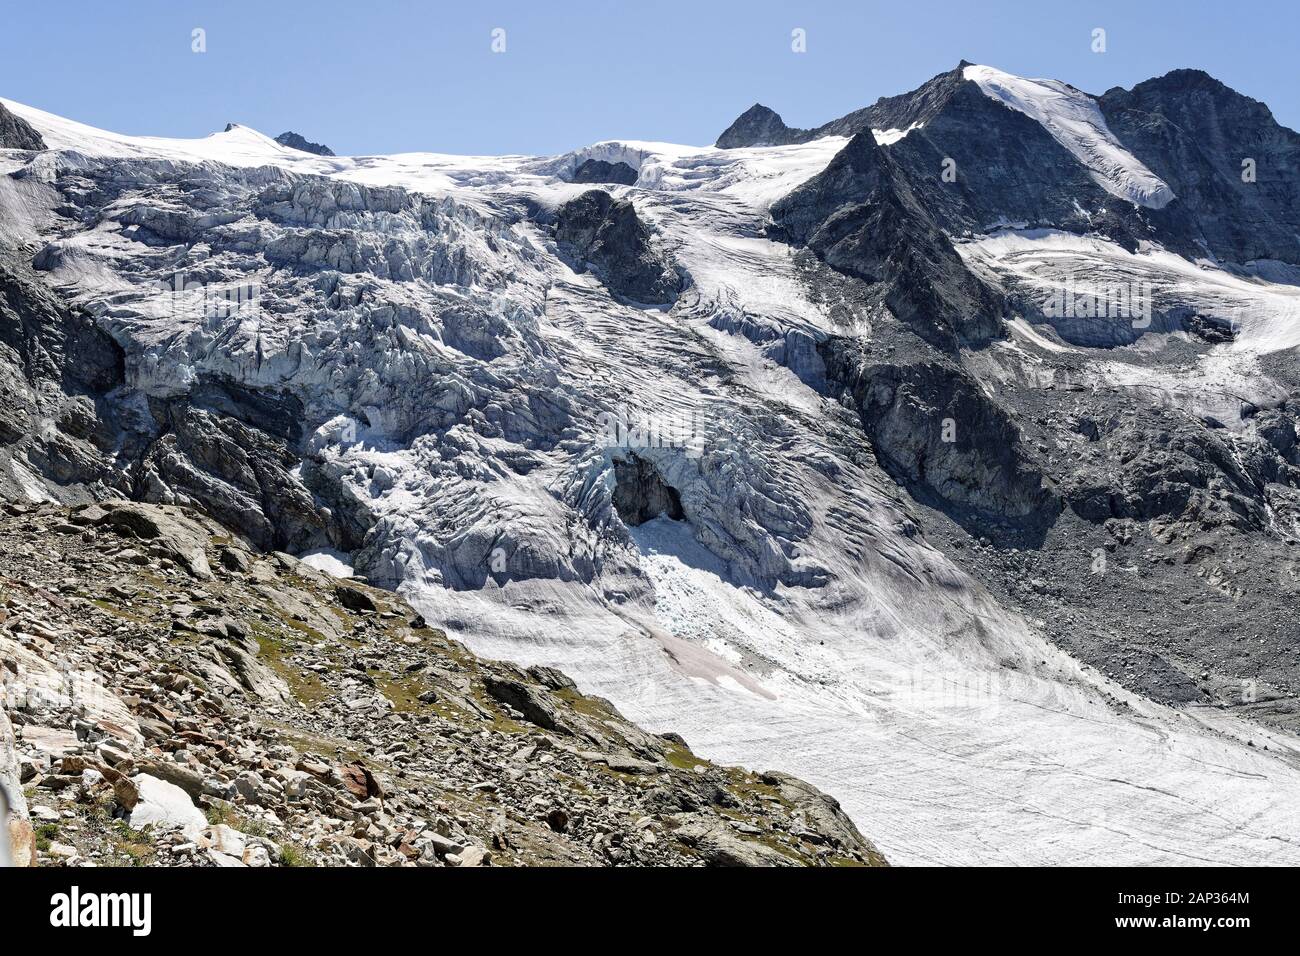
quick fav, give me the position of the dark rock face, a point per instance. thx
(1170, 467)
(57, 371)
(17, 133)
(936, 431)
(760, 126)
(297, 141)
(919, 107)
(599, 171)
(1007, 168)
(1195, 133)
(234, 471)
(641, 495)
(69, 419)
(599, 233)
(861, 217)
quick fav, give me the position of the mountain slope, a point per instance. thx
(257, 713)
(813, 511)
(1204, 138)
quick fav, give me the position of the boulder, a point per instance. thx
(166, 806)
(718, 845)
(533, 702)
(168, 530)
(355, 599)
(17, 838)
(256, 676)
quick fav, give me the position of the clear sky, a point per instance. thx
(381, 76)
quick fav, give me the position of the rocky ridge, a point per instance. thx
(1194, 132)
(298, 141)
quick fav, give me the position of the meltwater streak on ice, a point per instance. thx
(950, 730)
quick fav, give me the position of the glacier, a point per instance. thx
(455, 369)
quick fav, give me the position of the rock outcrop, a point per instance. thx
(1233, 167)
(760, 126)
(939, 434)
(604, 235)
(298, 141)
(600, 171)
(861, 217)
(17, 133)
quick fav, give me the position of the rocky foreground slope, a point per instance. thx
(176, 698)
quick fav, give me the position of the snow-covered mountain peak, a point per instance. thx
(236, 145)
(1074, 120)
(730, 506)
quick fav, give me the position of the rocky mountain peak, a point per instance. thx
(759, 126)
(297, 141)
(862, 217)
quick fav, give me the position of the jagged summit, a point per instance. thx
(297, 141)
(760, 126)
(861, 216)
(1161, 162)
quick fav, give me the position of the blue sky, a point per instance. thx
(379, 76)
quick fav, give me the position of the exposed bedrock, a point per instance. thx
(760, 126)
(1166, 465)
(212, 458)
(17, 133)
(596, 232)
(298, 141)
(936, 431)
(1005, 167)
(600, 171)
(861, 218)
(72, 429)
(1234, 169)
(58, 373)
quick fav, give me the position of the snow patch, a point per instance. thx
(337, 564)
(886, 137)
(1074, 120)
